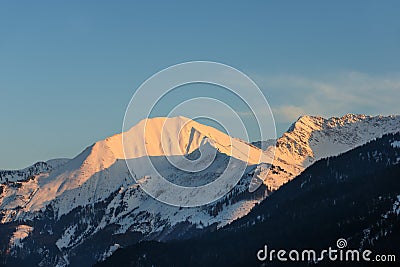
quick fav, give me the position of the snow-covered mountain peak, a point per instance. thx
(160, 136)
(305, 122)
(177, 136)
(311, 138)
(167, 137)
(311, 123)
(100, 169)
(152, 137)
(31, 171)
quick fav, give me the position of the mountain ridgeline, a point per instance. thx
(80, 211)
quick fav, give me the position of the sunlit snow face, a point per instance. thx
(178, 160)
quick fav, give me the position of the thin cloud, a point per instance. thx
(291, 96)
(287, 113)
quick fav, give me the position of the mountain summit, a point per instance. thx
(311, 138)
(180, 136)
(100, 169)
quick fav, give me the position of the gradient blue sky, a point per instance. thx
(69, 68)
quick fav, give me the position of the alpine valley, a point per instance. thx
(322, 175)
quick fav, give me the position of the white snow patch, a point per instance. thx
(395, 144)
(66, 238)
(110, 251)
(396, 206)
(21, 232)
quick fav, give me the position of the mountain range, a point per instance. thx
(79, 211)
(354, 197)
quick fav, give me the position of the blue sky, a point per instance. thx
(69, 68)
